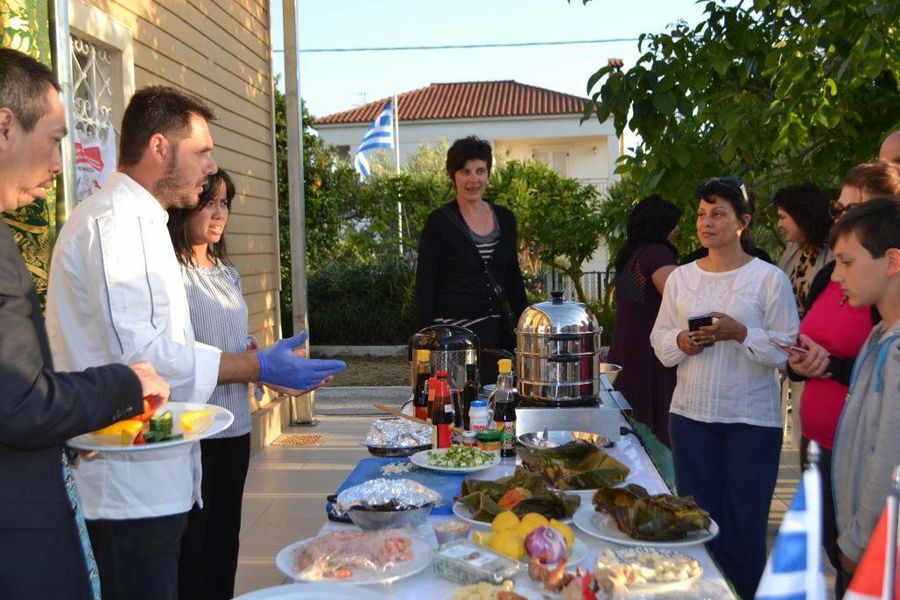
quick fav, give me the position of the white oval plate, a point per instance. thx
(465, 513)
(284, 560)
(420, 459)
(222, 419)
(602, 526)
(313, 591)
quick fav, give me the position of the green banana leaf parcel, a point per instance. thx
(482, 497)
(653, 518)
(574, 466)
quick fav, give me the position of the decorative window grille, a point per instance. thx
(91, 89)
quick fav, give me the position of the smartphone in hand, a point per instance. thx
(786, 347)
(695, 323)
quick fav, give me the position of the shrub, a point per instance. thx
(366, 302)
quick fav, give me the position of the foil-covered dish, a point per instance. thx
(397, 437)
(385, 495)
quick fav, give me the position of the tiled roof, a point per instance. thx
(467, 100)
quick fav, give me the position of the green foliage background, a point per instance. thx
(773, 91)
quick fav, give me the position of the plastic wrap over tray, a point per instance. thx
(400, 493)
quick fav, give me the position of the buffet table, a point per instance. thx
(629, 450)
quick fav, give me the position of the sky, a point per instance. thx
(337, 81)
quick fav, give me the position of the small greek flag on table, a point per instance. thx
(379, 135)
(794, 568)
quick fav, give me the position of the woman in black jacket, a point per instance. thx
(468, 271)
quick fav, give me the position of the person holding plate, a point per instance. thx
(42, 551)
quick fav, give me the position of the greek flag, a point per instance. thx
(794, 568)
(379, 135)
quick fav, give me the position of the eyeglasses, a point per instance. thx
(734, 183)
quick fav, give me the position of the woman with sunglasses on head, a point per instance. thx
(219, 317)
(725, 420)
(832, 333)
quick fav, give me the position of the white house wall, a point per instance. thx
(520, 135)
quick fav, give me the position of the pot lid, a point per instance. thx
(444, 337)
(557, 316)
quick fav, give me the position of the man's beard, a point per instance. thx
(173, 190)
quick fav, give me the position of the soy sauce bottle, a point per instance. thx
(469, 394)
(505, 401)
(420, 394)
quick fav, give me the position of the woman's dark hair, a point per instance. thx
(876, 178)
(466, 149)
(875, 223)
(651, 220)
(810, 209)
(178, 222)
(737, 194)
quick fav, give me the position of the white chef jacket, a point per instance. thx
(729, 382)
(116, 295)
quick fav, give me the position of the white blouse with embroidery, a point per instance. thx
(729, 382)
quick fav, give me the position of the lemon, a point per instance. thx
(535, 520)
(566, 531)
(505, 520)
(483, 538)
(509, 543)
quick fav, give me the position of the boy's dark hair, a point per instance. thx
(875, 223)
(466, 149)
(734, 191)
(157, 109)
(651, 220)
(810, 209)
(178, 221)
(23, 87)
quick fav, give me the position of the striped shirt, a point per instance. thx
(219, 317)
(485, 244)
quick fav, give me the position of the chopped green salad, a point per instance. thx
(458, 457)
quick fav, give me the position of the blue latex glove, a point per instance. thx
(278, 365)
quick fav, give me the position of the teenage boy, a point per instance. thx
(866, 244)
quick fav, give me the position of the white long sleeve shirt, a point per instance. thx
(116, 295)
(729, 382)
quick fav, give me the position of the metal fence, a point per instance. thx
(596, 284)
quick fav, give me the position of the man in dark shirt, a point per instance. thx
(41, 554)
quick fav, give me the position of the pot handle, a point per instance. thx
(567, 358)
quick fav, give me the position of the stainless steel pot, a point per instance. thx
(557, 352)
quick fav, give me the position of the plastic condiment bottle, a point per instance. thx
(441, 416)
(505, 400)
(478, 416)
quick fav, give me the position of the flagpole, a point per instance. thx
(890, 559)
(811, 478)
(397, 167)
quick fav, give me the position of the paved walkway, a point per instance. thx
(286, 488)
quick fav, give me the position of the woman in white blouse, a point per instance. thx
(725, 420)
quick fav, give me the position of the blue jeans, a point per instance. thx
(730, 469)
(138, 558)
